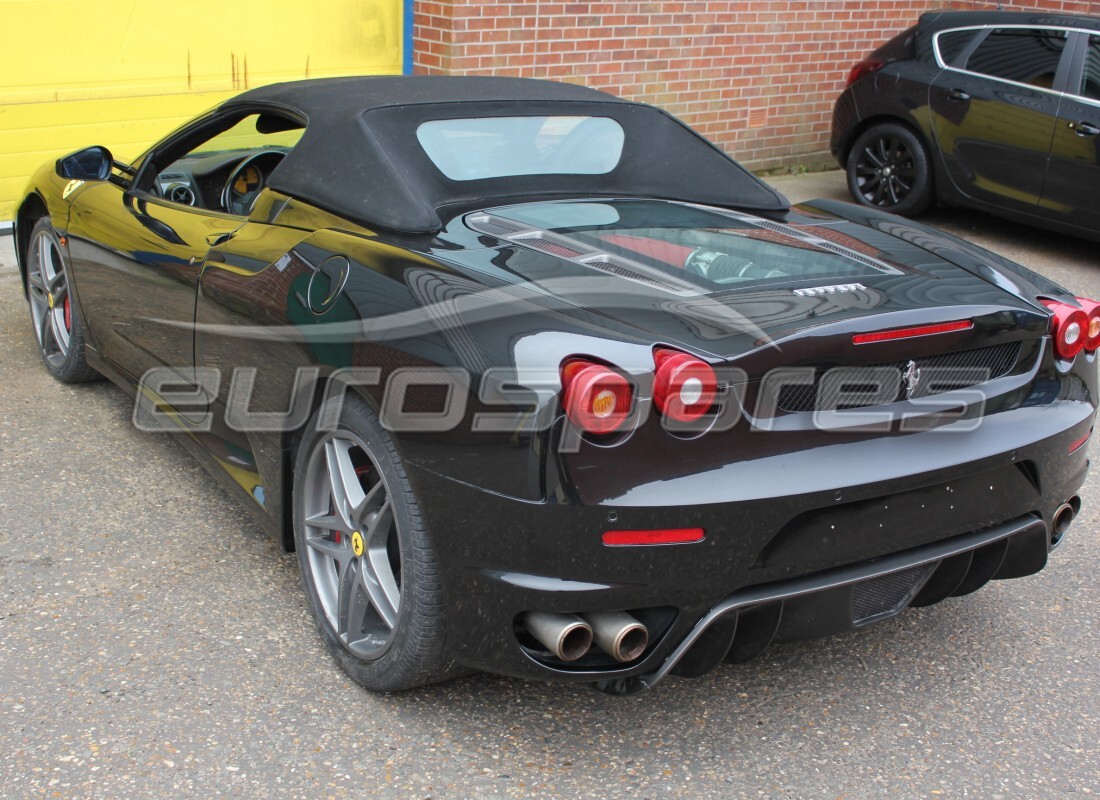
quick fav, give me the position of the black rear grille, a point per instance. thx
(854, 387)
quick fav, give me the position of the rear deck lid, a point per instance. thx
(732, 284)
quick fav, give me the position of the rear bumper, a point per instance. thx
(503, 557)
(849, 597)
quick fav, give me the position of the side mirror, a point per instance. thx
(89, 164)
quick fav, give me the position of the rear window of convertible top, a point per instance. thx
(498, 147)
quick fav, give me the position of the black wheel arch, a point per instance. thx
(32, 209)
(887, 119)
(288, 450)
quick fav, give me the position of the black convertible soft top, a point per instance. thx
(359, 156)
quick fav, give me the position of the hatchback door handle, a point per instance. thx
(958, 95)
(1083, 129)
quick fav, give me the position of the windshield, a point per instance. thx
(711, 248)
(498, 147)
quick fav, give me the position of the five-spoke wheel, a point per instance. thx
(888, 168)
(367, 564)
(57, 326)
(352, 543)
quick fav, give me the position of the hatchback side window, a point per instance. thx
(1023, 55)
(1090, 79)
(950, 44)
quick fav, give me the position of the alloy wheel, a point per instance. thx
(885, 172)
(353, 545)
(51, 306)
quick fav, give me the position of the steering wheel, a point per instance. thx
(247, 180)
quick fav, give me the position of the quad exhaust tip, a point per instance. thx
(1063, 517)
(618, 634)
(567, 636)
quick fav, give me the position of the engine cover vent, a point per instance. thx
(492, 226)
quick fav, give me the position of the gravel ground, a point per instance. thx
(154, 643)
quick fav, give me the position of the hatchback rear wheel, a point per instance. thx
(889, 168)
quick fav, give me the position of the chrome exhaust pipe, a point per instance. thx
(1063, 517)
(567, 636)
(618, 634)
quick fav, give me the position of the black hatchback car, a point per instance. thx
(992, 110)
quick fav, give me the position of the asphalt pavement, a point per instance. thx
(154, 643)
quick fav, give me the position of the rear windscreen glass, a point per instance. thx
(712, 249)
(498, 147)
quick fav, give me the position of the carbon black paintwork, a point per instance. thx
(517, 519)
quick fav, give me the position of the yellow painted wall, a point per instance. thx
(122, 73)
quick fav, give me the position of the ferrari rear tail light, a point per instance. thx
(597, 399)
(1092, 311)
(684, 386)
(864, 68)
(1069, 327)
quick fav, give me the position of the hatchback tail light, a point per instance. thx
(864, 68)
(684, 386)
(597, 399)
(1069, 327)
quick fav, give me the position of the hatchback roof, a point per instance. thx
(937, 20)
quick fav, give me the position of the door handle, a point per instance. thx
(958, 96)
(1083, 128)
(215, 239)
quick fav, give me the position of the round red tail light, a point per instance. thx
(597, 399)
(684, 386)
(1069, 327)
(1092, 310)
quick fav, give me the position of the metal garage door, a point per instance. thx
(122, 73)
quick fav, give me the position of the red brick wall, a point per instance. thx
(758, 78)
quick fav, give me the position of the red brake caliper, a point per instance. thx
(68, 314)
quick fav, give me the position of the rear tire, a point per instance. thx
(58, 327)
(889, 168)
(366, 562)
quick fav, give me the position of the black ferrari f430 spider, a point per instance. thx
(538, 381)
